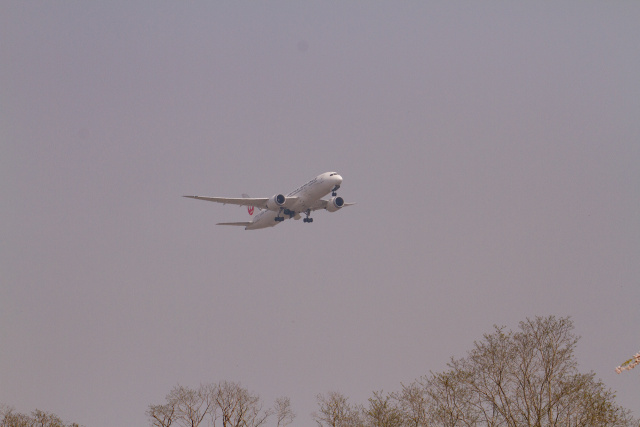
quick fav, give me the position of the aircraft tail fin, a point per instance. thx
(250, 209)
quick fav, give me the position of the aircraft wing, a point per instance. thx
(244, 201)
(243, 224)
(318, 204)
(257, 202)
(322, 204)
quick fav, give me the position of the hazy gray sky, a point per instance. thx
(493, 149)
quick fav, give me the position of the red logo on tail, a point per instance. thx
(250, 210)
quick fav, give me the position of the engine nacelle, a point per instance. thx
(335, 203)
(276, 202)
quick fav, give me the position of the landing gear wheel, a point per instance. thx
(307, 219)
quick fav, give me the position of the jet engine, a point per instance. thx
(276, 202)
(335, 203)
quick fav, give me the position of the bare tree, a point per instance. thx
(382, 411)
(237, 407)
(523, 378)
(38, 418)
(227, 404)
(412, 403)
(283, 412)
(186, 407)
(11, 418)
(162, 415)
(191, 405)
(335, 411)
(450, 402)
(44, 419)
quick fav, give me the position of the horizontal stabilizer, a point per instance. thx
(240, 224)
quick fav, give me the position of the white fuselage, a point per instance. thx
(306, 195)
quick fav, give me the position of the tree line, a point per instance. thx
(9, 417)
(527, 377)
(512, 379)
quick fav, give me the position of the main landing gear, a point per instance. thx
(307, 219)
(279, 218)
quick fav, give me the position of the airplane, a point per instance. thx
(303, 200)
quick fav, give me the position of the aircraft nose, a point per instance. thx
(338, 179)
